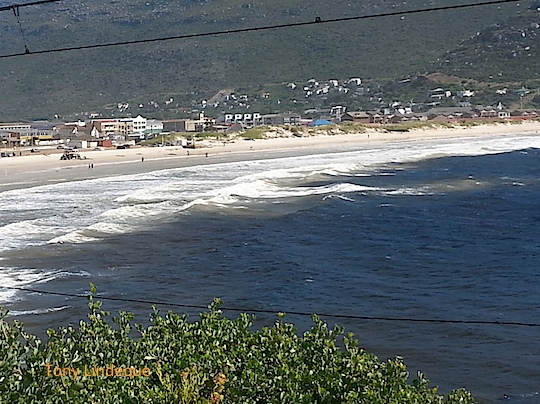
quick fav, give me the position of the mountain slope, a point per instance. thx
(73, 82)
(504, 52)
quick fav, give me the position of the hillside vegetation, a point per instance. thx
(189, 70)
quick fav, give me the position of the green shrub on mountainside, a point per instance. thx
(211, 360)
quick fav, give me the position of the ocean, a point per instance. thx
(442, 230)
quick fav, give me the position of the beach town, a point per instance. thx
(84, 149)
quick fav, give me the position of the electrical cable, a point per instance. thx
(298, 313)
(34, 3)
(17, 15)
(317, 21)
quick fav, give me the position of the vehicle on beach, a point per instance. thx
(34, 150)
(70, 156)
(7, 154)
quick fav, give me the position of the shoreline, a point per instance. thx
(32, 170)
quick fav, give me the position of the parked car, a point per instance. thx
(34, 150)
(121, 147)
(70, 156)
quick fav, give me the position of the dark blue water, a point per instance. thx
(453, 238)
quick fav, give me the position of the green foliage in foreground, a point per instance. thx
(209, 361)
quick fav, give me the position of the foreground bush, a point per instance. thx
(213, 360)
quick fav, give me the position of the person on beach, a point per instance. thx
(142, 159)
(206, 154)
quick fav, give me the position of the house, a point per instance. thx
(272, 119)
(282, 119)
(84, 143)
(15, 126)
(376, 118)
(182, 125)
(139, 124)
(113, 127)
(291, 119)
(10, 138)
(448, 110)
(356, 116)
(414, 117)
(121, 127)
(488, 112)
(337, 110)
(153, 127)
(449, 113)
(394, 118)
(247, 119)
(189, 125)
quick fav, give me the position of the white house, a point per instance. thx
(154, 126)
(139, 124)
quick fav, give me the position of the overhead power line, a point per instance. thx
(34, 3)
(298, 313)
(318, 20)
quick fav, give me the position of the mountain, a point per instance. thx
(79, 82)
(502, 52)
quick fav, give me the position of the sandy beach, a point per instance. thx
(46, 167)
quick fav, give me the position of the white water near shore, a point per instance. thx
(112, 205)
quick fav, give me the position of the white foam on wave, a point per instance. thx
(74, 237)
(150, 195)
(109, 228)
(342, 197)
(130, 212)
(345, 198)
(22, 229)
(87, 211)
(408, 191)
(338, 170)
(261, 189)
(93, 233)
(29, 229)
(20, 278)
